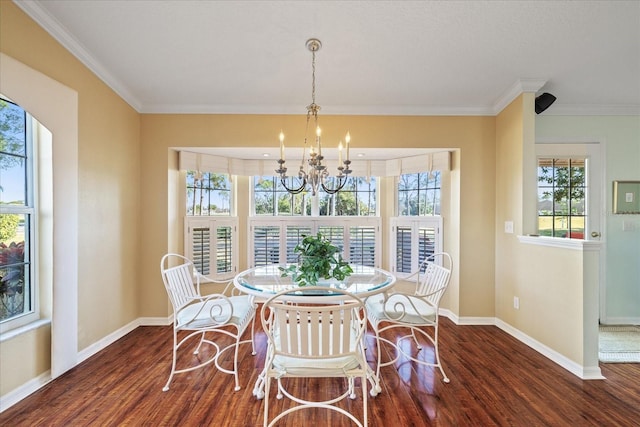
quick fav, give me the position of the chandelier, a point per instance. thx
(317, 175)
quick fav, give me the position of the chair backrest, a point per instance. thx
(177, 275)
(436, 276)
(307, 330)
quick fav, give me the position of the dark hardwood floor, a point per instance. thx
(495, 381)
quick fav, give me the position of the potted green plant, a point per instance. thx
(319, 260)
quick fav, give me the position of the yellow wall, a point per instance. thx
(108, 203)
(472, 178)
(548, 281)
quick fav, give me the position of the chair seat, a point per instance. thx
(416, 310)
(315, 367)
(216, 311)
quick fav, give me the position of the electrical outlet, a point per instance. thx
(516, 303)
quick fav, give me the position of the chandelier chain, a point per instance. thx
(313, 78)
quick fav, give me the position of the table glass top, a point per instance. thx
(268, 280)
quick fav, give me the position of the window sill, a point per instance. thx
(556, 242)
(24, 329)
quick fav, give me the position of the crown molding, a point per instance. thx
(519, 87)
(592, 110)
(59, 32)
(328, 110)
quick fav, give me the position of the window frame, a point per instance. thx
(571, 233)
(30, 210)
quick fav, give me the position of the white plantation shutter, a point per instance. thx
(272, 240)
(294, 236)
(414, 239)
(362, 245)
(211, 243)
(266, 244)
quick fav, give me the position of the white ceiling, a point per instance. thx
(378, 57)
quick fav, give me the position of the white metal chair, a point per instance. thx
(201, 314)
(417, 311)
(315, 341)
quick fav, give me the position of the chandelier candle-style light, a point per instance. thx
(317, 174)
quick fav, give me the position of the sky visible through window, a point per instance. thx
(12, 171)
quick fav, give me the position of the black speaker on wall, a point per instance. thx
(544, 101)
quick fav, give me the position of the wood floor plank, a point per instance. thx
(495, 381)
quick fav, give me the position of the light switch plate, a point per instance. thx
(508, 227)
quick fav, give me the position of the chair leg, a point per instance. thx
(235, 362)
(352, 388)
(374, 380)
(258, 389)
(266, 384)
(253, 336)
(173, 362)
(279, 395)
(437, 352)
(364, 402)
(379, 351)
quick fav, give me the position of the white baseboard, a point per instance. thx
(582, 372)
(17, 394)
(106, 341)
(155, 321)
(116, 335)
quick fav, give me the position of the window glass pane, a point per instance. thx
(15, 265)
(356, 198)
(208, 194)
(545, 225)
(13, 187)
(13, 149)
(12, 129)
(561, 205)
(545, 201)
(272, 198)
(419, 194)
(433, 202)
(560, 226)
(264, 195)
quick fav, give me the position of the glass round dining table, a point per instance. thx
(265, 281)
